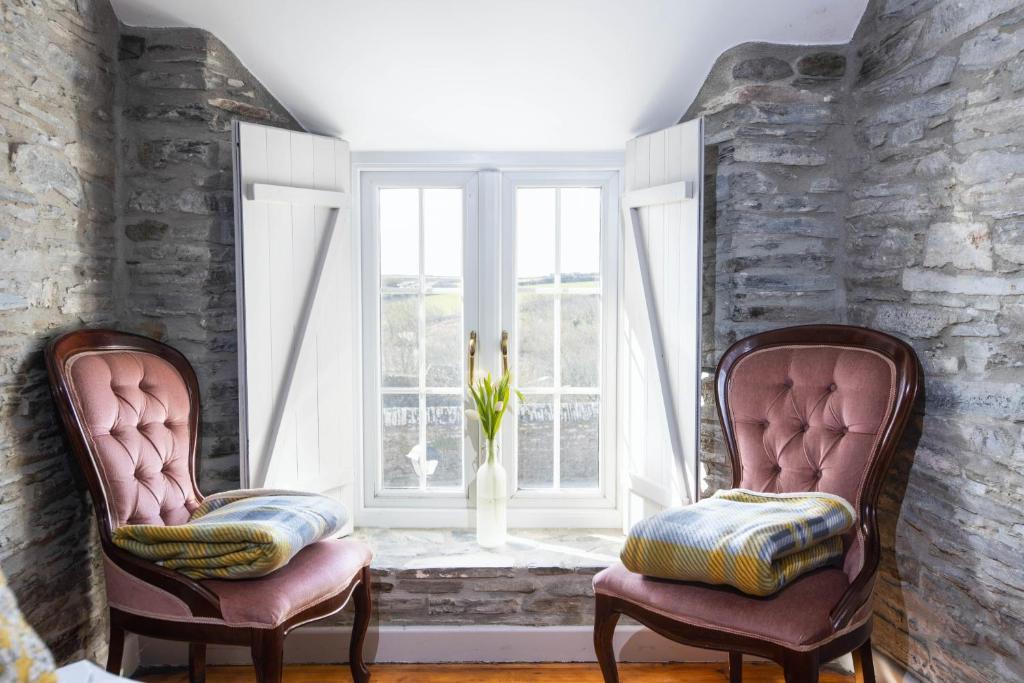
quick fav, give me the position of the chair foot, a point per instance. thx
(364, 609)
(115, 649)
(801, 668)
(268, 655)
(197, 662)
(605, 619)
(735, 667)
(863, 664)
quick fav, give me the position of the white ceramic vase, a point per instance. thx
(491, 501)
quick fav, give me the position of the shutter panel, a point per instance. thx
(297, 316)
(659, 360)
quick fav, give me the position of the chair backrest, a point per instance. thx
(817, 408)
(130, 406)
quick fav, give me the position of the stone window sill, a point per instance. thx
(541, 577)
(435, 549)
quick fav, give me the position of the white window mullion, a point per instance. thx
(556, 402)
(422, 341)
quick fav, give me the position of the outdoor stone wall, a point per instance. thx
(918, 180)
(775, 141)
(179, 91)
(57, 258)
(935, 254)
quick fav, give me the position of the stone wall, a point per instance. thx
(913, 198)
(179, 91)
(935, 249)
(775, 141)
(57, 246)
(116, 205)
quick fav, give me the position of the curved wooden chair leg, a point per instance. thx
(863, 664)
(197, 662)
(268, 655)
(801, 667)
(605, 619)
(364, 609)
(735, 667)
(115, 649)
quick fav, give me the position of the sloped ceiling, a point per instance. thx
(492, 74)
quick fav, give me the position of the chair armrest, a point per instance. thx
(201, 601)
(859, 590)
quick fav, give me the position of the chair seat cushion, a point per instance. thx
(795, 616)
(318, 572)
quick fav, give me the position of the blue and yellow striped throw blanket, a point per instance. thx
(237, 534)
(756, 542)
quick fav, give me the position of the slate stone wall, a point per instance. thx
(775, 142)
(57, 259)
(179, 91)
(115, 210)
(916, 156)
(935, 254)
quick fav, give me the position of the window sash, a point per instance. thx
(485, 239)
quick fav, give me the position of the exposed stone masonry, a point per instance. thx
(57, 258)
(935, 254)
(774, 139)
(910, 221)
(115, 210)
(877, 183)
(180, 90)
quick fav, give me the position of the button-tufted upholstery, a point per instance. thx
(135, 407)
(808, 408)
(809, 418)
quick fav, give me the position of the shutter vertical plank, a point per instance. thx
(256, 378)
(303, 396)
(283, 307)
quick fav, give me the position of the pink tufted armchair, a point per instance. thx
(130, 407)
(812, 408)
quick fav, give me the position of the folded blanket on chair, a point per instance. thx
(237, 534)
(756, 542)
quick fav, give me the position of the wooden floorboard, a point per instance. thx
(502, 673)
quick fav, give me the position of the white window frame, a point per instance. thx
(372, 479)
(497, 175)
(604, 496)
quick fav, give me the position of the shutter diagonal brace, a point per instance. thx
(632, 202)
(336, 201)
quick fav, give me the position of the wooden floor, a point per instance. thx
(503, 673)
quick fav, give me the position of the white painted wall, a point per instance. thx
(492, 74)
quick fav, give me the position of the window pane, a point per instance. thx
(581, 234)
(399, 340)
(536, 366)
(444, 440)
(444, 339)
(401, 433)
(536, 442)
(399, 232)
(579, 438)
(581, 340)
(442, 231)
(535, 236)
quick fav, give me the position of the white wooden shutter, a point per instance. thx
(659, 362)
(298, 319)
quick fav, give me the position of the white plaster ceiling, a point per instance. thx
(492, 74)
